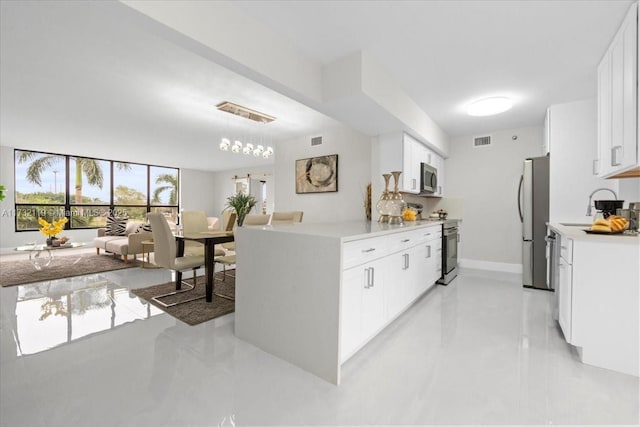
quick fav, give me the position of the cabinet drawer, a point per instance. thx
(432, 233)
(365, 250)
(566, 249)
(411, 238)
(403, 240)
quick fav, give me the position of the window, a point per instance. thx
(86, 190)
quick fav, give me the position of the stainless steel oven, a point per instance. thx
(450, 239)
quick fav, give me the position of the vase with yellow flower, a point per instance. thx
(51, 229)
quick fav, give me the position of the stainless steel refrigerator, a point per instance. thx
(533, 207)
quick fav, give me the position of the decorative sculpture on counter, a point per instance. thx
(382, 205)
(396, 202)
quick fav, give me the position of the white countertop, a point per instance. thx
(349, 230)
(576, 232)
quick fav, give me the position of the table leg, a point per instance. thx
(209, 250)
(179, 253)
(37, 262)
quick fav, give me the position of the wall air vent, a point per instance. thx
(482, 141)
(316, 141)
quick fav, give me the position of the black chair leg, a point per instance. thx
(179, 280)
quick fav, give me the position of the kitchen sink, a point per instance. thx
(575, 224)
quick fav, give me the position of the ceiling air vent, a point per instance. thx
(481, 141)
(316, 141)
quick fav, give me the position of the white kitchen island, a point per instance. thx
(598, 295)
(313, 294)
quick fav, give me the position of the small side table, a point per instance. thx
(147, 245)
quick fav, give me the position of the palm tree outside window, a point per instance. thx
(86, 190)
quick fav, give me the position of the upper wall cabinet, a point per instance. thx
(406, 154)
(617, 102)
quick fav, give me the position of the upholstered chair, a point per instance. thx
(213, 223)
(256, 219)
(164, 246)
(286, 217)
(229, 260)
(196, 222)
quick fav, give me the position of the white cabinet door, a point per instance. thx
(602, 164)
(424, 255)
(617, 100)
(362, 305)
(440, 166)
(373, 299)
(398, 286)
(565, 288)
(412, 153)
(353, 282)
(624, 59)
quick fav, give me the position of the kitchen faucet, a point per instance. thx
(615, 197)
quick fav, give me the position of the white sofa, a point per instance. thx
(131, 244)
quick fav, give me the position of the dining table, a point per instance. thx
(209, 239)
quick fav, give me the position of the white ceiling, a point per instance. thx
(445, 54)
(74, 73)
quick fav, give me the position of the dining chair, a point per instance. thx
(286, 217)
(212, 222)
(196, 222)
(165, 256)
(229, 260)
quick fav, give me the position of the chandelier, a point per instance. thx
(248, 148)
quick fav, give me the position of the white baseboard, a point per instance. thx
(488, 265)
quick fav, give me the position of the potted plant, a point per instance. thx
(242, 204)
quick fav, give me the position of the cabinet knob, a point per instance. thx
(366, 251)
(406, 240)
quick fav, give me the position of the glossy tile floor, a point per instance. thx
(482, 350)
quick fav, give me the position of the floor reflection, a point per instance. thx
(49, 314)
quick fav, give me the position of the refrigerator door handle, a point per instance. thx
(520, 198)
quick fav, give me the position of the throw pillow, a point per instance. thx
(144, 227)
(116, 226)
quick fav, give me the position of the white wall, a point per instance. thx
(573, 147)
(195, 191)
(223, 186)
(354, 173)
(629, 190)
(487, 180)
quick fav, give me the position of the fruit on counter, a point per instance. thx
(409, 214)
(613, 224)
(618, 223)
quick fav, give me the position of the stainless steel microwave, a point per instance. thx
(428, 178)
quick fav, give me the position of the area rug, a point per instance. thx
(198, 311)
(20, 272)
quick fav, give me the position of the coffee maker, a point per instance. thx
(608, 207)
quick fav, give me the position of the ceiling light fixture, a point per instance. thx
(245, 112)
(489, 106)
(247, 148)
